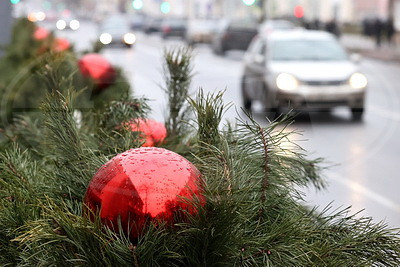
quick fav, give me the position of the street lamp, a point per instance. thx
(262, 6)
(249, 2)
(137, 4)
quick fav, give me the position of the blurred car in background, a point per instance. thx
(234, 35)
(152, 25)
(174, 27)
(269, 26)
(51, 16)
(116, 30)
(301, 70)
(201, 31)
(68, 24)
(137, 22)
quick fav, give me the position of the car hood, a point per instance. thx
(115, 32)
(315, 71)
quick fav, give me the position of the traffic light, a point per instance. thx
(14, 2)
(47, 5)
(137, 4)
(249, 2)
(299, 12)
(165, 7)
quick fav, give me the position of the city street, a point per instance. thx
(363, 158)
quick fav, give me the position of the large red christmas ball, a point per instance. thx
(142, 185)
(61, 44)
(41, 34)
(152, 132)
(97, 68)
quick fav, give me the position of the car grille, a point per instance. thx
(325, 83)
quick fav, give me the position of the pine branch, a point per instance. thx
(278, 149)
(21, 187)
(112, 134)
(64, 238)
(245, 169)
(209, 110)
(178, 77)
(17, 171)
(76, 161)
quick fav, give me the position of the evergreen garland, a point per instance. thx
(252, 216)
(26, 59)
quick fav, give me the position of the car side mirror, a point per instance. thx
(259, 59)
(356, 58)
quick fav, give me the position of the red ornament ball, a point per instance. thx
(142, 185)
(97, 68)
(41, 34)
(152, 132)
(61, 44)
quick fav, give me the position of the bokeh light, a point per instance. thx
(47, 5)
(299, 12)
(165, 7)
(40, 16)
(137, 4)
(249, 2)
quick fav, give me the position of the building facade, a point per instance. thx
(343, 11)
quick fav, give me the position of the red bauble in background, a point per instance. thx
(97, 68)
(41, 34)
(142, 185)
(61, 44)
(153, 132)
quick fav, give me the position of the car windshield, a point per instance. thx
(115, 24)
(305, 50)
(175, 22)
(278, 25)
(203, 25)
(243, 25)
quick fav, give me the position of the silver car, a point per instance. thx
(301, 69)
(116, 30)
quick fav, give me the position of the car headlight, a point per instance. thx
(129, 38)
(358, 81)
(287, 82)
(61, 24)
(74, 24)
(40, 16)
(105, 38)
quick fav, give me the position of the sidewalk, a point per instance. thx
(366, 46)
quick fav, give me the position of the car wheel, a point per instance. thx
(190, 43)
(246, 100)
(273, 113)
(357, 113)
(219, 49)
(222, 51)
(271, 108)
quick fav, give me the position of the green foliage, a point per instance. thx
(209, 112)
(26, 61)
(252, 178)
(178, 77)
